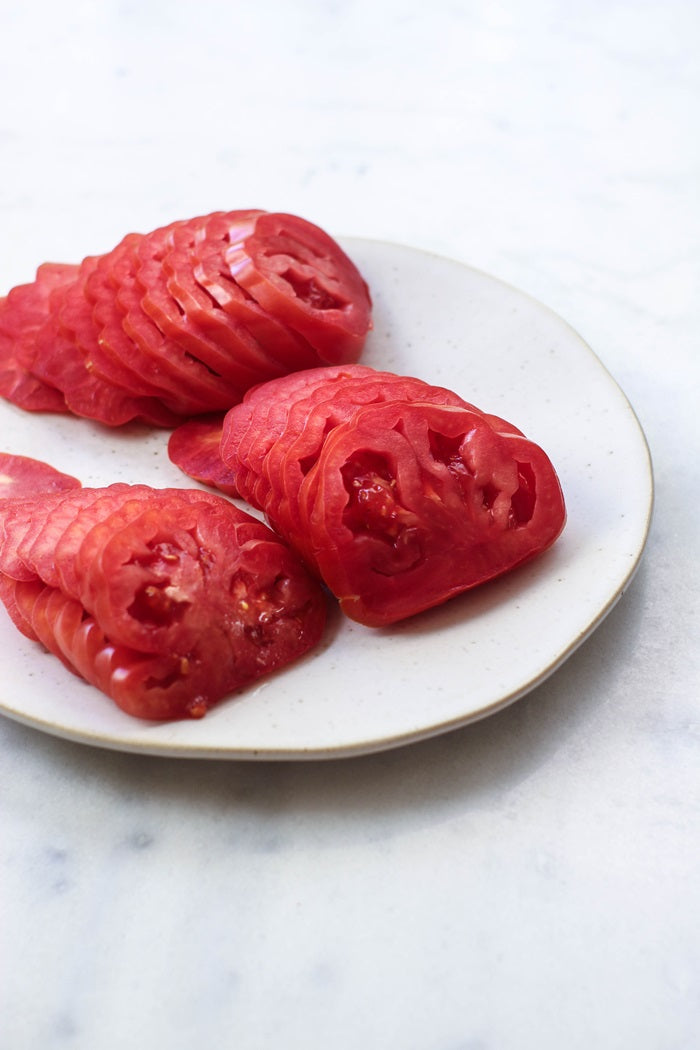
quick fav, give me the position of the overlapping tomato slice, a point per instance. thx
(291, 268)
(162, 327)
(409, 504)
(194, 448)
(398, 494)
(167, 600)
(23, 312)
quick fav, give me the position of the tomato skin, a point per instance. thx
(399, 494)
(167, 600)
(23, 312)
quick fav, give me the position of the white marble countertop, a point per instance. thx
(530, 882)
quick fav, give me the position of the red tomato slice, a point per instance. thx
(271, 440)
(301, 276)
(22, 476)
(40, 536)
(65, 350)
(236, 344)
(194, 448)
(167, 600)
(252, 428)
(72, 552)
(22, 313)
(22, 479)
(185, 380)
(451, 496)
(180, 327)
(143, 578)
(158, 328)
(8, 597)
(409, 505)
(119, 672)
(50, 519)
(101, 287)
(108, 521)
(26, 594)
(324, 406)
(174, 320)
(138, 367)
(286, 347)
(38, 604)
(17, 518)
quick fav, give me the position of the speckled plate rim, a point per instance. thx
(363, 691)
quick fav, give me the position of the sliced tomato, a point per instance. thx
(253, 428)
(194, 448)
(66, 347)
(286, 347)
(158, 328)
(400, 494)
(167, 600)
(16, 519)
(271, 440)
(185, 381)
(90, 507)
(24, 596)
(301, 276)
(8, 597)
(325, 405)
(101, 288)
(139, 366)
(39, 604)
(109, 399)
(233, 346)
(23, 312)
(38, 547)
(22, 479)
(22, 476)
(173, 321)
(409, 505)
(40, 536)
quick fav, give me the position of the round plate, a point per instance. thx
(365, 690)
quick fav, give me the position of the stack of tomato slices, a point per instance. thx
(182, 321)
(240, 332)
(397, 493)
(166, 600)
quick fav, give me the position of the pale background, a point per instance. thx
(531, 881)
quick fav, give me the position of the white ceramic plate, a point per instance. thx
(366, 690)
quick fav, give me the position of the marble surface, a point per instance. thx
(531, 881)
